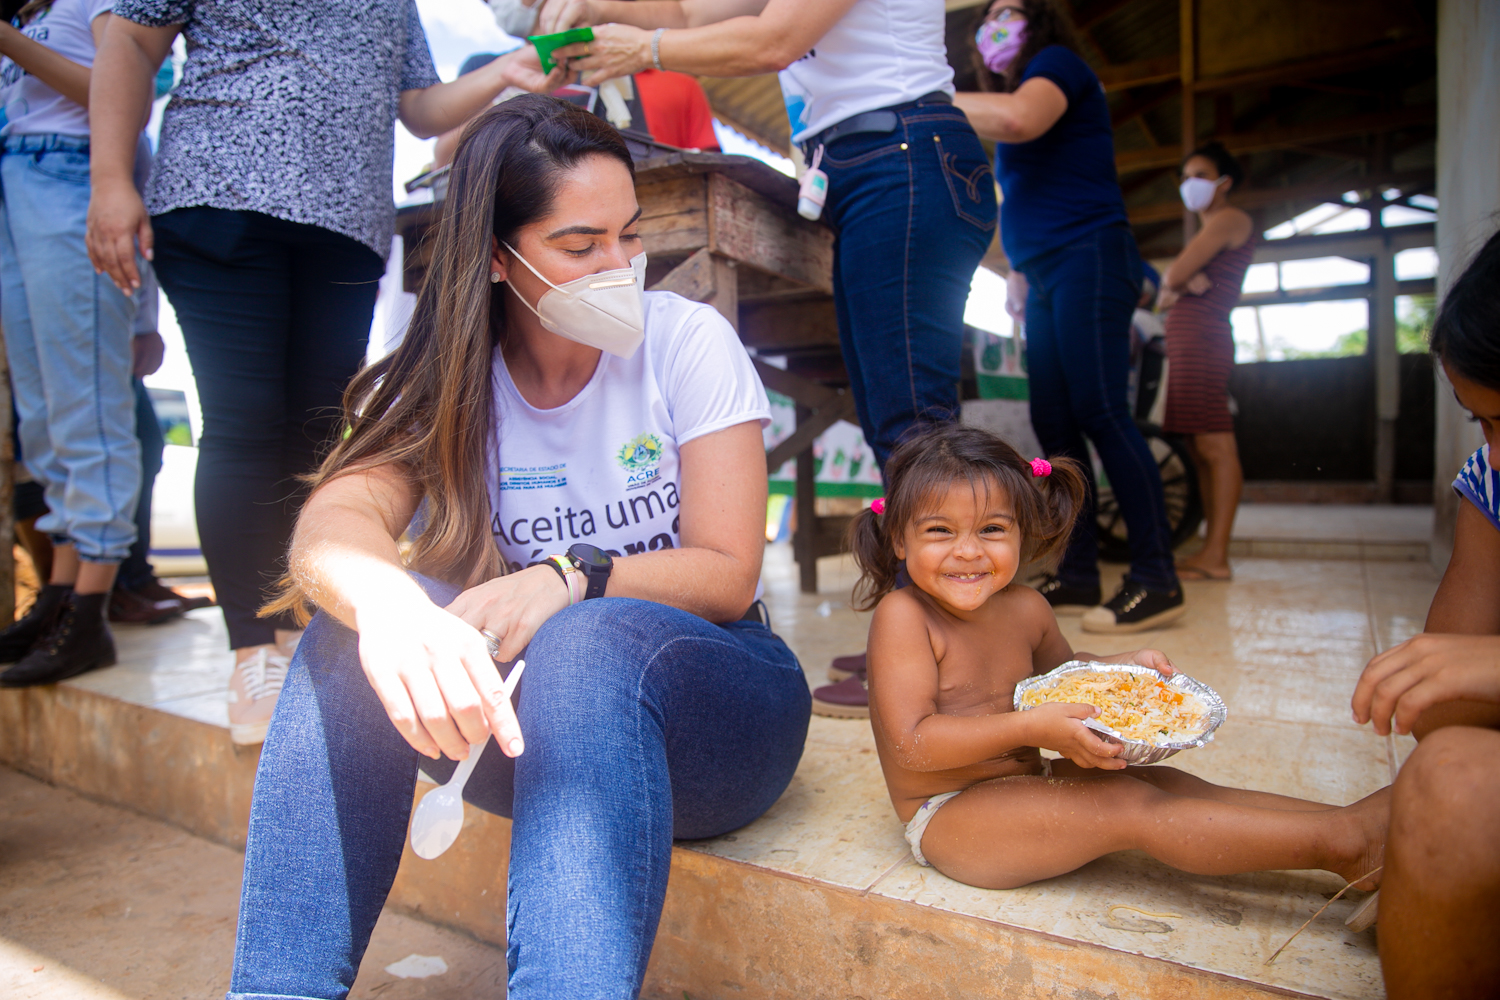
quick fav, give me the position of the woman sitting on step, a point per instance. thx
(1442, 872)
(581, 467)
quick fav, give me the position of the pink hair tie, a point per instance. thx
(1041, 467)
(878, 505)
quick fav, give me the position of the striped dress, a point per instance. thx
(1479, 484)
(1200, 348)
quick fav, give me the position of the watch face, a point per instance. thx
(591, 556)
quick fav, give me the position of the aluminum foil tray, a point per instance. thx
(1136, 751)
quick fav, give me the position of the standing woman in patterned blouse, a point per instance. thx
(1199, 291)
(269, 217)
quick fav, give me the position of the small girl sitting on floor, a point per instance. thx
(963, 514)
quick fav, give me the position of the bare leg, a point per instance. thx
(85, 577)
(1438, 938)
(1223, 479)
(1176, 782)
(1009, 832)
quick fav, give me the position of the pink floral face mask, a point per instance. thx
(1000, 41)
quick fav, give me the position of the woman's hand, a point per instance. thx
(1199, 284)
(513, 606)
(523, 68)
(617, 50)
(561, 15)
(1166, 299)
(1406, 680)
(1060, 727)
(1016, 290)
(117, 219)
(433, 673)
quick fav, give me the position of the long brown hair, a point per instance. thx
(25, 13)
(1047, 23)
(926, 464)
(428, 407)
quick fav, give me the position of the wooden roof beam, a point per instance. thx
(1316, 69)
(1123, 76)
(1140, 104)
(1101, 12)
(1329, 190)
(1291, 135)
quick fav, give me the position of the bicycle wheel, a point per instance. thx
(1179, 481)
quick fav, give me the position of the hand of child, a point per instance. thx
(1406, 680)
(1060, 727)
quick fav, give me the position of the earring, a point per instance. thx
(494, 277)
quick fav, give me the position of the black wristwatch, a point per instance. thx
(595, 564)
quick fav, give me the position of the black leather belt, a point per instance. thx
(884, 120)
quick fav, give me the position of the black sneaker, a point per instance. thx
(17, 639)
(78, 641)
(1067, 599)
(1135, 609)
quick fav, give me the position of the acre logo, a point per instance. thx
(639, 457)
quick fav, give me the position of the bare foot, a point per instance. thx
(1192, 569)
(1370, 818)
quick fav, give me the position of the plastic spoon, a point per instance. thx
(440, 814)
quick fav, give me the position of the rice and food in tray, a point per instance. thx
(1136, 706)
(1154, 716)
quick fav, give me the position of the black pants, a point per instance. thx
(136, 570)
(276, 316)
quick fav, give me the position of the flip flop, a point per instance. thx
(1195, 573)
(1365, 914)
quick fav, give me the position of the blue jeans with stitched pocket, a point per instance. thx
(643, 723)
(67, 338)
(913, 212)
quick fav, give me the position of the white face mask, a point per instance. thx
(1198, 192)
(514, 17)
(606, 310)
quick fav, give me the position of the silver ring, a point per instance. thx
(492, 642)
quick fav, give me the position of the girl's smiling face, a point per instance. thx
(964, 547)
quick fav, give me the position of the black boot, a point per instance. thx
(78, 641)
(16, 640)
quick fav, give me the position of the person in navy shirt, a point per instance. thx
(1064, 229)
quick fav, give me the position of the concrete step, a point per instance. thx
(819, 898)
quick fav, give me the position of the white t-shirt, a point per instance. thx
(881, 53)
(603, 468)
(32, 107)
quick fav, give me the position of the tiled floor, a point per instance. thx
(1283, 643)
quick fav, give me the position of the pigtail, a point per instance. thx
(875, 556)
(1063, 490)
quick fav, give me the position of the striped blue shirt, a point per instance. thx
(1479, 484)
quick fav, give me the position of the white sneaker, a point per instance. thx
(253, 688)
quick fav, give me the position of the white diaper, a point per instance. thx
(918, 824)
(928, 809)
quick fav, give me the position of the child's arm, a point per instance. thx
(903, 681)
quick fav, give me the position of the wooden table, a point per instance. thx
(724, 230)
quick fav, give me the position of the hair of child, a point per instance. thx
(1466, 334)
(926, 463)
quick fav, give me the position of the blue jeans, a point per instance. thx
(1078, 351)
(913, 211)
(642, 722)
(67, 338)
